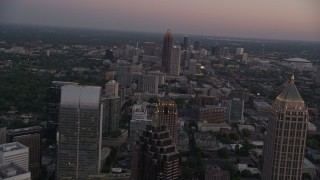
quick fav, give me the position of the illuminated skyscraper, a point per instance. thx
(167, 114)
(167, 51)
(79, 132)
(155, 156)
(285, 142)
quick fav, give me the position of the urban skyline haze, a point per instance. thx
(286, 19)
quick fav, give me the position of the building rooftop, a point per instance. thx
(10, 170)
(297, 60)
(33, 128)
(83, 96)
(11, 147)
(290, 93)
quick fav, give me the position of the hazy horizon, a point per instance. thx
(272, 19)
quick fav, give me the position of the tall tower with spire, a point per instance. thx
(167, 51)
(284, 146)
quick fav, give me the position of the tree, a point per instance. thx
(246, 173)
(246, 132)
(223, 153)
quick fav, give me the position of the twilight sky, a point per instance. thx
(280, 19)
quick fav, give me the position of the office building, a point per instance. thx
(15, 153)
(212, 114)
(155, 156)
(196, 45)
(32, 138)
(167, 114)
(138, 122)
(216, 173)
(148, 83)
(148, 48)
(80, 124)
(239, 51)
(236, 108)
(53, 99)
(111, 113)
(175, 61)
(216, 50)
(285, 143)
(112, 88)
(244, 59)
(124, 75)
(167, 51)
(3, 131)
(185, 42)
(12, 171)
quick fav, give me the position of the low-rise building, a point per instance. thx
(12, 171)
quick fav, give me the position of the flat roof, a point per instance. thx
(33, 128)
(80, 96)
(298, 60)
(10, 170)
(11, 147)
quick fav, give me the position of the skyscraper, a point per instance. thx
(79, 132)
(111, 113)
(138, 122)
(185, 42)
(30, 137)
(155, 156)
(148, 83)
(175, 61)
(167, 51)
(285, 142)
(112, 88)
(124, 75)
(167, 114)
(236, 109)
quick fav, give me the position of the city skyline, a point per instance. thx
(296, 20)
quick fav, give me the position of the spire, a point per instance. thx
(168, 33)
(292, 79)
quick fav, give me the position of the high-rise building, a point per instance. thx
(167, 51)
(236, 109)
(124, 75)
(155, 156)
(12, 171)
(148, 83)
(239, 51)
(167, 114)
(186, 42)
(32, 138)
(285, 143)
(244, 59)
(216, 50)
(138, 122)
(175, 61)
(112, 88)
(53, 99)
(196, 45)
(3, 131)
(111, 113)
(148, 48)
(80, 123)
(15, 153)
